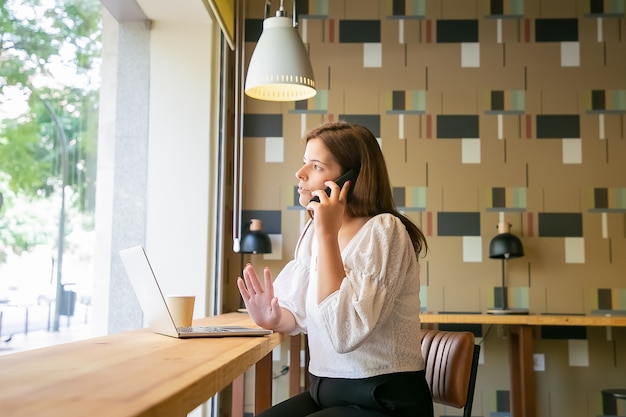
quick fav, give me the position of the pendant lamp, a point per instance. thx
(280, 69)
(505, 246)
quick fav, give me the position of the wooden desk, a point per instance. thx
(137, 373)
(523, 394)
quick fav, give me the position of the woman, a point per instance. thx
(353, 286)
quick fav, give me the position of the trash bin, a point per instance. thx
(68, 302)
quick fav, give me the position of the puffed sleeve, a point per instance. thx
(291, 284)
(290, 288)
(377, 265)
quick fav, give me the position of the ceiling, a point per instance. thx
(155, 10)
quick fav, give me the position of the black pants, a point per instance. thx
(403, 394)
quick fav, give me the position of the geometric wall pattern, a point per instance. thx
(499, 111)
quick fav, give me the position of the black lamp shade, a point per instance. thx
(256, 242)
(505, 246)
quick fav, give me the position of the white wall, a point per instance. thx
(122, 170)
(157, 167)
(180, 156)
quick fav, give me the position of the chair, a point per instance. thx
(609, 400)
(451, 367)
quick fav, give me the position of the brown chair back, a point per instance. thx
(451, 366)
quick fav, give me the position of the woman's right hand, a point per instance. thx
(260, 302)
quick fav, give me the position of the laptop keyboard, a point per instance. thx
(203, 329)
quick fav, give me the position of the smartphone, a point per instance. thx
(351, 176)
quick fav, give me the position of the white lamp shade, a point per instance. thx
(280, 69)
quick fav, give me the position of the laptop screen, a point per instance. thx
(148, 292)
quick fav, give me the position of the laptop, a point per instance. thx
(155, 308)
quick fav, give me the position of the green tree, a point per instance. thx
(50, 59)
(49, 65)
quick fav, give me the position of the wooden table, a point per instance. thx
(523, 395)
(137, 373)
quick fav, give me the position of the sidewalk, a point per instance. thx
(26, 327)
(42, 338)
(38, 336)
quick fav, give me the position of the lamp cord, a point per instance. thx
(504, 295)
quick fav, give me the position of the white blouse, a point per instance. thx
(371, 325)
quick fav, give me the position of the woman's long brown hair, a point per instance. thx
(355, 147)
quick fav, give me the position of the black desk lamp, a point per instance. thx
(504, 246)
(253, 241)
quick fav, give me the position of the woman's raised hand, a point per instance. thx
(260, 302)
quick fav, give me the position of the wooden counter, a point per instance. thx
(523, 395)
(137, 373)
(525, 319)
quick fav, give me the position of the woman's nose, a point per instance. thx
(300, 174)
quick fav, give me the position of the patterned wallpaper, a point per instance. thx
(487, 112)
